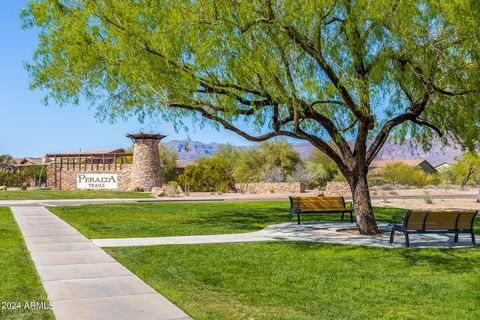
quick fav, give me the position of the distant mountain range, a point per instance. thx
(191, 150)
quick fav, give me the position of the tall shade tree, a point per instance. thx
(316, 70)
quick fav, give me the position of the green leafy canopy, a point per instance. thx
(316, 70)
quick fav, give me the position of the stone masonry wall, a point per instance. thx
(146, 171)
(269, 187)
(67, 179)
(337, 189)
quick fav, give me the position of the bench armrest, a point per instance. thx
(349, 204)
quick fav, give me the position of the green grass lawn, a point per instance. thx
(294, 280)
(19, 279)
(68, 194)
(184, 218)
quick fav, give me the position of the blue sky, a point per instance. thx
(28, 128)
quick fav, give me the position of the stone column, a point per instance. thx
(146, 172)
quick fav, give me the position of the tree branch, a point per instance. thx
(451, 93)
(227, 125)
(350, 126)
(412, 113)
(239, 98)
(341, 103)
(428, 124)
(317, 142)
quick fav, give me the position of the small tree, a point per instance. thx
(273, 175)
(6, 163)
(301, 174)
(465, 170)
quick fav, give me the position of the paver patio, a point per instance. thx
(83, 281)
(327, 232)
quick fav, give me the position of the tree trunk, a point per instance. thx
(363, 205)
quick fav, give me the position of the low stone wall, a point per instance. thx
(67, 179)
(338, 189)
(270, 187)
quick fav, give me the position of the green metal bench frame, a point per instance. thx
(401, 226)
(297, 211)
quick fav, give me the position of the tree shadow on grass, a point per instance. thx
(452, 260)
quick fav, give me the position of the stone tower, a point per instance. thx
(146, 172)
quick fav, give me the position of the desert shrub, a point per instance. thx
(273, 175)
(208, 175)
(427, 198)
(385, 198)
(375, 180)
(256, 164)
(321, 168)
(301, 174)
(171, 189)
(313, 185)
(32, 174)
(401, 173)
(168, 159)
(7, 179)
(28, 176)
(387, 187)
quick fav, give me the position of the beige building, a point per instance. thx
(20, 163)
(442, 166)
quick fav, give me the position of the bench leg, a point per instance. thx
(456, 238)
(290, 216)
(351, 217)
(298, 217)
(343, 216)
(473, 238)
(407, 240)
(392, 235)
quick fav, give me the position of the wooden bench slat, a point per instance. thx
(465, 220)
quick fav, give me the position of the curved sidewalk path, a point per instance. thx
(83, 281)
(325, 232)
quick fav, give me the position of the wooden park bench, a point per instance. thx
(416, 221)
(318, 205)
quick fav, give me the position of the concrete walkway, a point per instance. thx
(83, 281)
(214, 198)
(69, 202)
(324, 232)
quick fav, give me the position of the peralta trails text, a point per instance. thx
(99, 181)
(83, 178)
